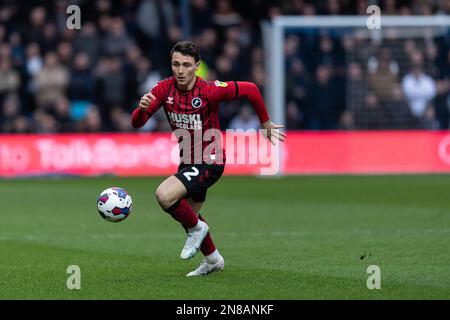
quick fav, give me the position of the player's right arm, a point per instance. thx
(232, 90)
(148, 105)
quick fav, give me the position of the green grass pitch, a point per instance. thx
(282, 238)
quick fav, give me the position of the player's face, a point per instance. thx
(183, 68)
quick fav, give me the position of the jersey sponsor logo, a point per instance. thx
(185, 121)
(169, 100)
(196, 102)
(218, 83)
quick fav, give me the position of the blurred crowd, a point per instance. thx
(53, 79)
(353, 83)
(351, 79)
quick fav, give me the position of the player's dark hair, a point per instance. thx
(187, 48)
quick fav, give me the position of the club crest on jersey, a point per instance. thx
(196, 102)
(218, 83)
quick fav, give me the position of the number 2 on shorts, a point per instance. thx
(188, 174)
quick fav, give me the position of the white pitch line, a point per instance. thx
(50, 237)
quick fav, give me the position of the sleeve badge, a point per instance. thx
(218, 83)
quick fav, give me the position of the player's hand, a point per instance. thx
(272, 131)
(146, 100)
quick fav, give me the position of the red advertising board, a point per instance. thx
(367, 152)
(156, 154)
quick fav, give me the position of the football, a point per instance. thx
(114, 204)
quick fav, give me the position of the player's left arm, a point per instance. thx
(233, 90)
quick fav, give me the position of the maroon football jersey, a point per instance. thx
(195, 111)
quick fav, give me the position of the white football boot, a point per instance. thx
(206, 268)
(194, 239)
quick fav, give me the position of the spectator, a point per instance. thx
(332, 7)
(65, 53)
(419, 90)
(92, 122)
(383, 76)
(233, 52)
(240, 34)
(398, 113)
(441, 103)
(61, 113)
(43, 122)
(357, 85)
(224, 68)
(258, 76)
(201, 16)
(111, 83)
(370, 115)
(9, 111)
(34, 59)
(245, 120)
(51, 81)
(294, 116)
(225, 15)
(146, 77)
(21, 124)
(208, 45)
(321, 112)
(257, 56)
(291, 48)
(2, 33)
(128, 11)
(155, 17)
(103, 7)
(82, 82)
(116, 41)
(156, 20)
(87, 41)
(297, 82)
(120, 120)
(389, 7)
(17, 50)
(327, 54)
(130, 67)
(361, 7)
(50, 38)
(38, 17)
(9, 78)
(60, 15)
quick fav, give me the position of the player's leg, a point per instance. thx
(207, 246)
(195, 205)
(196, 178)
(212, 261)
(170, 195)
